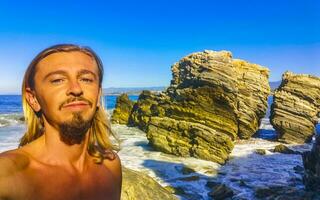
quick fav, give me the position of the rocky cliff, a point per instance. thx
(295, 107)
(212, 100)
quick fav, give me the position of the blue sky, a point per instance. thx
(138, 41)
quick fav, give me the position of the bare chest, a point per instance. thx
(48, 184)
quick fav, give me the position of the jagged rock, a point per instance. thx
(136, 185)
(122, 110)
(295, 107)
(284, 149)
(311, 163)
(202, 112)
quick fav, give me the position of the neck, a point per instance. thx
(56, 152)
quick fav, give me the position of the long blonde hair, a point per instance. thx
(99, 145)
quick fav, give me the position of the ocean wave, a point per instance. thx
(17, 118)
(11, 119)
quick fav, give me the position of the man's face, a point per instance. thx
(67, 91)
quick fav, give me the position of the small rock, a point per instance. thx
(261, 151)
(242, 183)
(283, 149)
(221, 192)
(211, 184)
(186, 170)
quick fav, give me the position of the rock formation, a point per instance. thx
(253, 91)
(295, 107)
(311, 162)
(136, 185)
(122, 110)
(212, 100)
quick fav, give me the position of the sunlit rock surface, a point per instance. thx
(295, 107)
(122, 110)
(211, 101)
(136, 185)
(253, 91)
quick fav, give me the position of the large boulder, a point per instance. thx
(295, 107)
(212, 100)
(122, 110)
(136, 185)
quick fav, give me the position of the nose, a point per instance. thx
(74, 89)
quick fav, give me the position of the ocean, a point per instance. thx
(244, 172)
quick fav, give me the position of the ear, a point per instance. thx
(32, 100)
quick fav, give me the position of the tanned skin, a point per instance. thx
(48, 168)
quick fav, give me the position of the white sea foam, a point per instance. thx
(10, 119)
(166, 169)
(254, 170)
(244, 167)
(10, 135)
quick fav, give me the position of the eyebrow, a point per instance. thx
(55, 72)
(62, 72)
(85, 71)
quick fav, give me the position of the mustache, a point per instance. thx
(73, 100)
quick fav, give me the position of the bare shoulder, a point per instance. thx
(113, 163)
(12, 161)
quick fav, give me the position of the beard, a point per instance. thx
(74, 131)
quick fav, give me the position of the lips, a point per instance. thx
(76, 104)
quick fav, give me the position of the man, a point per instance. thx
(66, 153)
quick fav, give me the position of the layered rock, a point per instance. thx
(136, 185)
(295, 107)
(122, 110)
(181, 125)
(211, 101)
(253, 91)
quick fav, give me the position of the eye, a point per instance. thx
(57, 80)
(87, 80)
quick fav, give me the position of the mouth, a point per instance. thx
(76, 105)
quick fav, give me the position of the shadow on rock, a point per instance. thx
(186, 182)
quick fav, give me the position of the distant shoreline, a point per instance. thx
(116, 91)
